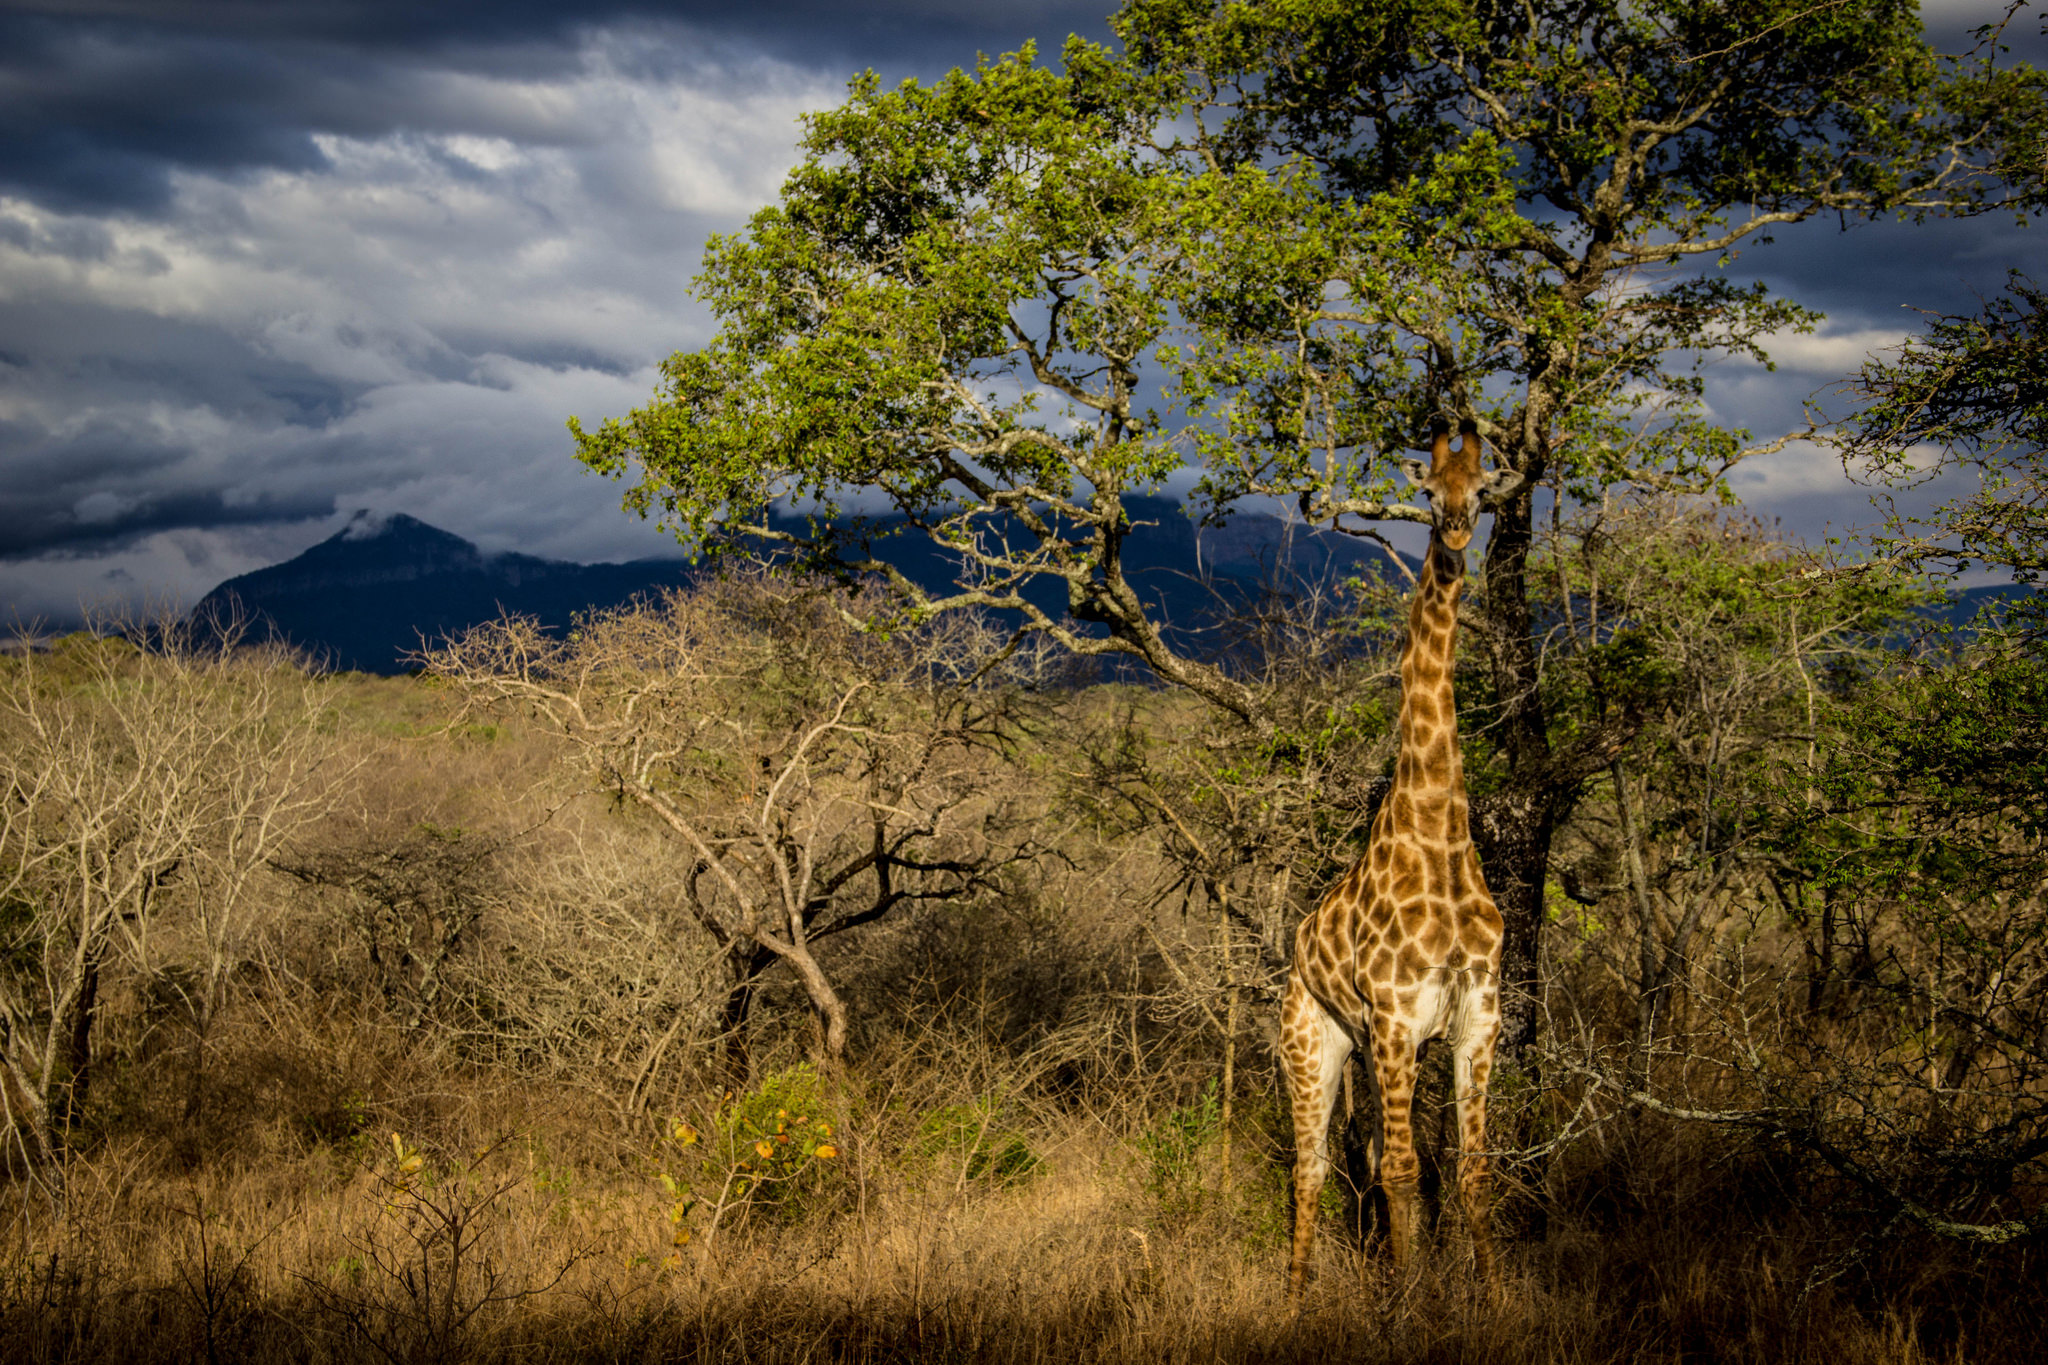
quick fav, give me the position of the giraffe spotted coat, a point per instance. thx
(1406, 947)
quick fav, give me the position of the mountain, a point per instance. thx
(1962, 606)
(369, 595)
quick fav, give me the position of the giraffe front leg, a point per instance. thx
(1313, 1050)
(1395, 1065)
(1473, 1067)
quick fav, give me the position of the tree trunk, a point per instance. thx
(1651, 980)
(747, 961)
(1513, 831)
(78, 1058)
(36, 1131)
(826, 1005)
(1514, 827)
(1230, 1010)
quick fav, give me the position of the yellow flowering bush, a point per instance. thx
(771, 1149)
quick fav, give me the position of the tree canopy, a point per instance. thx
(1258, 247)
(1972, 390)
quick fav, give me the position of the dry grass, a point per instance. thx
(333, 1249)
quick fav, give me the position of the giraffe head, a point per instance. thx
(1458, 487)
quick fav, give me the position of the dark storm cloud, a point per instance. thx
(795, 27)
(100, 103)
(265, 262)
(1885, 274)
(1874, 284)
(79, 351)
(400, 322)
(268, 262)
(104, 481)
(92, 115)
(116, 525)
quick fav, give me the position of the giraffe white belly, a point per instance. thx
(1444, 1004)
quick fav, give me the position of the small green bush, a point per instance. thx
(1173, 1148)
(771, 1149)
(974, 1132)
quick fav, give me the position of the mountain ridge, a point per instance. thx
(370, 595)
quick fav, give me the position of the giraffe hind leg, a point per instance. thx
(1313, 1050)
(1473, 1068)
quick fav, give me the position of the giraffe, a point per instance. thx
(1406, 948)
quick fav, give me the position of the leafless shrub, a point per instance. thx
(813, 776)
(438, 1262)
(591, 969)
(411, 900)
(149, 773)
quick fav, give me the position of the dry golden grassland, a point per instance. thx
(890, 1250)
(464, 1099)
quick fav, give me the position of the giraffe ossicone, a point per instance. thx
(1406, 947)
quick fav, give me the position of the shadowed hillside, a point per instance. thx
(370, 596)
(377, 590)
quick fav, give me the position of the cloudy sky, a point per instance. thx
(267, 262)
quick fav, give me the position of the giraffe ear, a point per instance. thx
(1416, 470)
(1500, 485)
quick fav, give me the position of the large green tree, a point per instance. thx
(1264, 244)
(1972, 390)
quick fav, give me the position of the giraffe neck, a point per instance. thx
(1429, 760)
